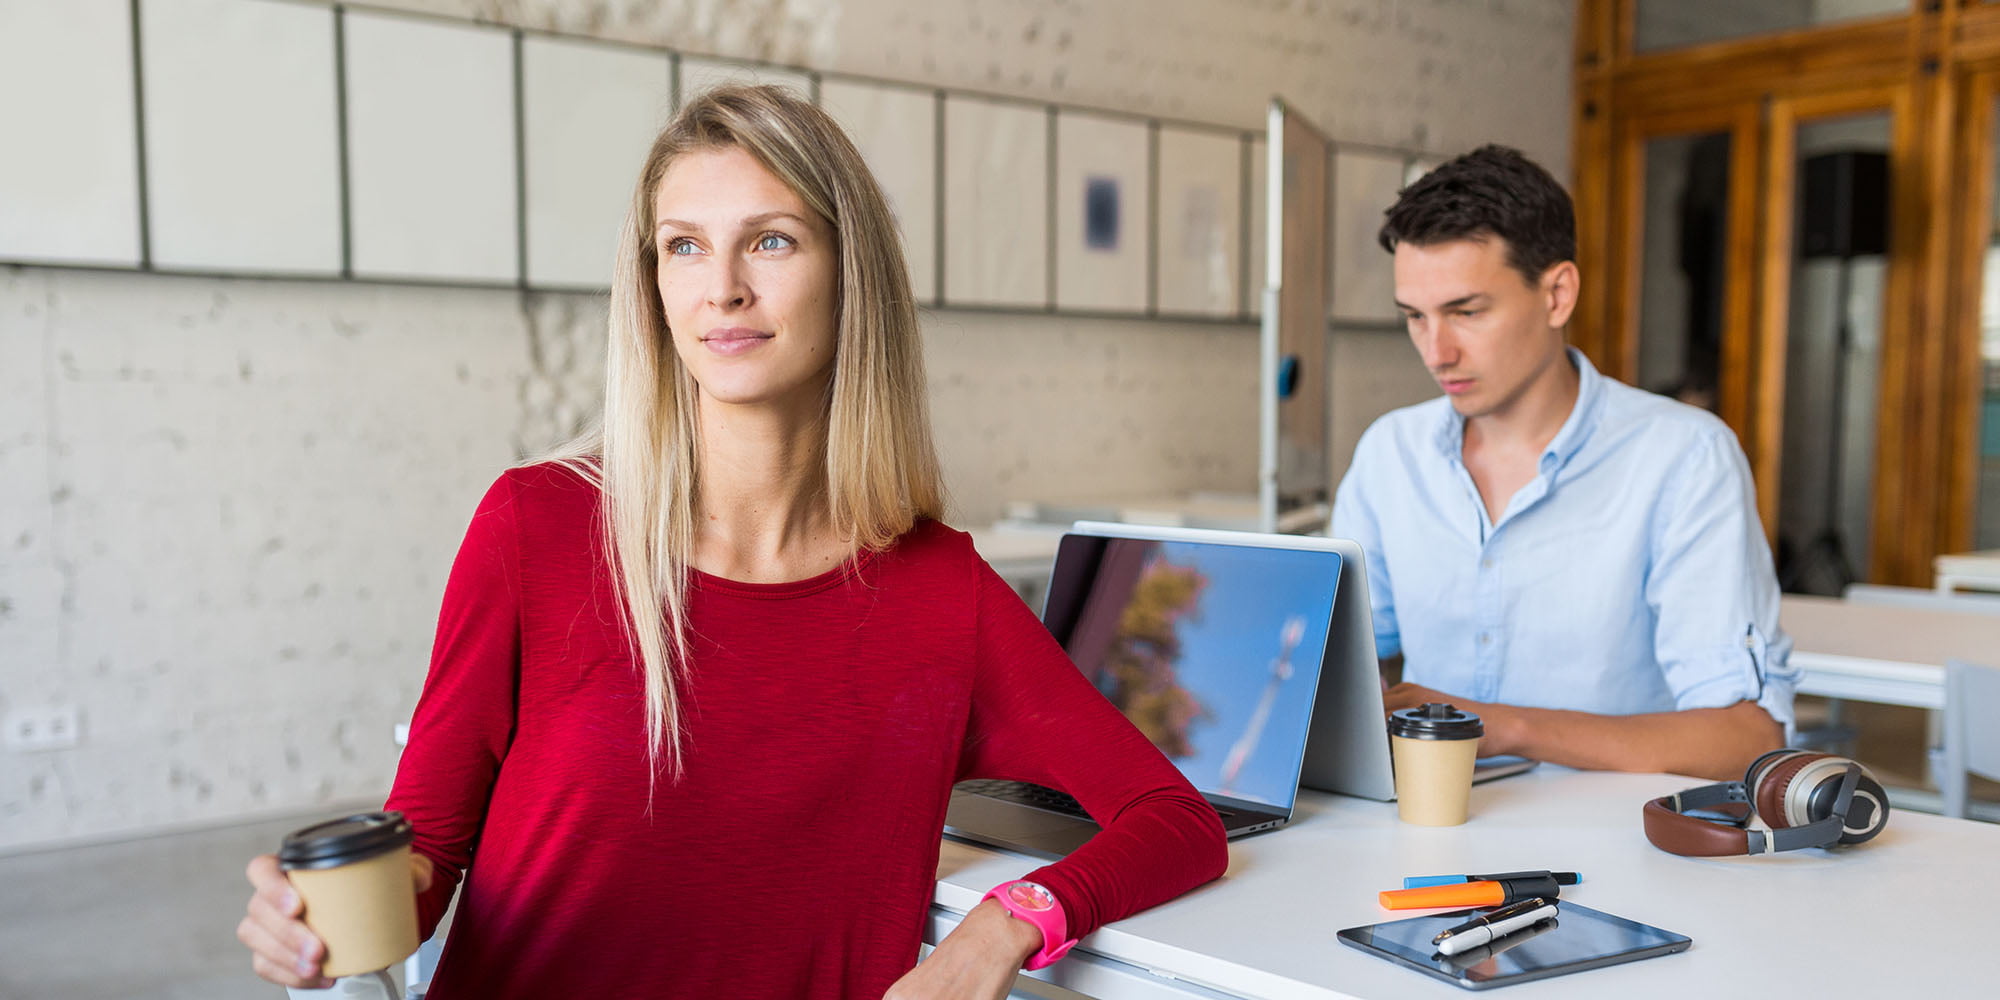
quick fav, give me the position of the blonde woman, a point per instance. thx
(702, 684)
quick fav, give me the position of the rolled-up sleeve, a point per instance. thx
(1713, 590)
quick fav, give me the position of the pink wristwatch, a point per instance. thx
(1038, 906)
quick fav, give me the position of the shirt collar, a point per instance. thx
(1568, 441)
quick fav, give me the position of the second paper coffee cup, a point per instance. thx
(1434, 746)
(353, 875)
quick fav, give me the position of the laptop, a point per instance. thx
(1345, 743)
(1212, 642)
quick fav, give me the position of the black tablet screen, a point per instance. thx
(1578, 938)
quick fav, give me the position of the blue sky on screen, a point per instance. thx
(1227, 652)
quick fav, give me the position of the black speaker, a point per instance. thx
(1844, 205)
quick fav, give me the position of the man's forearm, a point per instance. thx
(1713, 743)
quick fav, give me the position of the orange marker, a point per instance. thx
(1482, 893)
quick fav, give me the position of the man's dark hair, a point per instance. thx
(1491, 191)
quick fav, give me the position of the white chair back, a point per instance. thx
(1971, 740)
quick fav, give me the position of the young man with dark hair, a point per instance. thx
(1577, 561)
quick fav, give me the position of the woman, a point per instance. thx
(702, 685)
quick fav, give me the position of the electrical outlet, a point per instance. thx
(43, 727)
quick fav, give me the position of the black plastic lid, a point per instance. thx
(1435, 721)
(343, 841)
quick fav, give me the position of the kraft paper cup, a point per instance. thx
(1434, 747)
(353, 875)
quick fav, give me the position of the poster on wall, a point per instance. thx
(69, 179)
(996, 210)
(896, 130)
(700, 73)
(1102, 199)
(430, 140)
(241, 178)
(1364, 279)
(589, 113)
(1198, 256)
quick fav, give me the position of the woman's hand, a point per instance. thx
(283, 950)
(976, 961)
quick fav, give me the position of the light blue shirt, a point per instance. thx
(1630, 575)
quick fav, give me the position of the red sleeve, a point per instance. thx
(1036, 718)
(465, 719)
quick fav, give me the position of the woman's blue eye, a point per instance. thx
(680, 246)
(773, 241)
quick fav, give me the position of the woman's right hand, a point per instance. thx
(283, 949)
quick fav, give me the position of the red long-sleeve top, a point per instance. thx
(825, 722)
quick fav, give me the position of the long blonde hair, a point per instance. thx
(881, 469)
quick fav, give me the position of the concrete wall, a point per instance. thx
(227, 506)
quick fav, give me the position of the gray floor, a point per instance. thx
(153, 918)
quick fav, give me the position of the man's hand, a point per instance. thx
(976, 961)
(1500, 721)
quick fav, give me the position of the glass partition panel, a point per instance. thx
(1986, 521)
(1683, 266)
(1672, 24)
(1833, 352)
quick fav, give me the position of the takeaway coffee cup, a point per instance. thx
(1434, 746)
(353, 875)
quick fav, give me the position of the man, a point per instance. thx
(1577, 561)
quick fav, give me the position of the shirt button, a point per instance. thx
(1485, 564)
(1485, 638)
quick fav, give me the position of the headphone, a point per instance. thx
(1808, 799)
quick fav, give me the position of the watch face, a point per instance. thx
(1029, 896)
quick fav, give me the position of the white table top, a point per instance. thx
(1907, 914)
(1986, 563)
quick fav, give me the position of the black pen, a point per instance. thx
(1498, 923)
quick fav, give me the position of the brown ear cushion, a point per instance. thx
(1685, 835)
(1770, 792)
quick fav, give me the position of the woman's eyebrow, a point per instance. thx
(748, 222)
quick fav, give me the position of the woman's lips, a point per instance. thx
(734, 339)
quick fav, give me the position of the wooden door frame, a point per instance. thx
(1616, 346)
(1943, 58)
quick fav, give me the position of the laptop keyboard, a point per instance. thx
(1041, 798)
(1027, 795)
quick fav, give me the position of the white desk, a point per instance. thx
(1868, 652)
(1904, 915)
(1968, 571)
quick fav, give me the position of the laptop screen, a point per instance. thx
(1213, 650)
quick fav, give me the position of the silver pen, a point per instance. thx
(1498, 923)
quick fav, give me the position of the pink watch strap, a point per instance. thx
(1035, 904)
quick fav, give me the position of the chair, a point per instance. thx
(1971, 694)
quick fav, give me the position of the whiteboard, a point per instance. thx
(996, 207)
(700, 73)
(242, 136)
(1364, 276)
(1253, 296)
(69, 177)
(589, 115)
(430, 139)
(1199, 259)
(1103, 197)
(896, 130)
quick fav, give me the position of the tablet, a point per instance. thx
(1578, 938)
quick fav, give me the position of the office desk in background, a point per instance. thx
(1903, 915)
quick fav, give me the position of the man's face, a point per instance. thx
(1483, 330)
